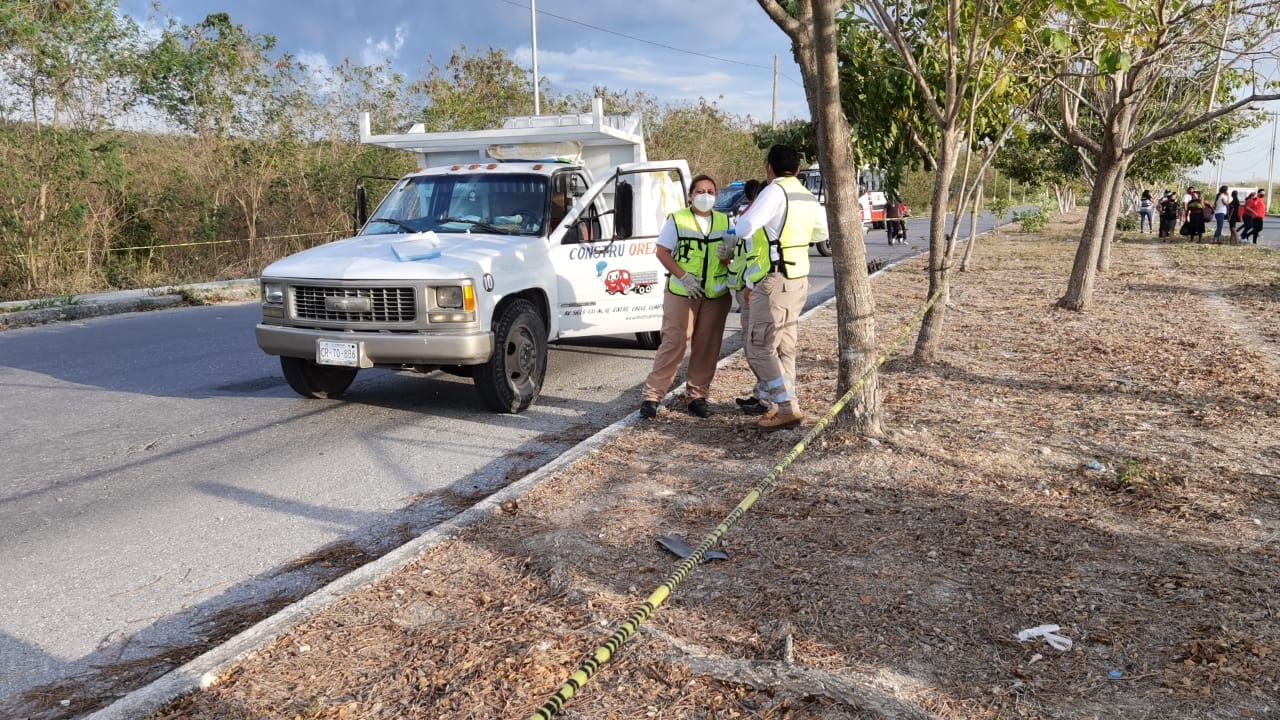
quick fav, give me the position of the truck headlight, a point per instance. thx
(449, 297)
(456, 297)
(453, 304)
(272, 293)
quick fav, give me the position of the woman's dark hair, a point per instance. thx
(751, 189)
(700, 178)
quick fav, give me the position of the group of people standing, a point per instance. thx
(762, 258)
(1227, 211)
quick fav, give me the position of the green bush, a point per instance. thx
(1127, 222)
(1032, 220)
(998, 206)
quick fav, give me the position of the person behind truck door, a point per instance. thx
(747, 267)
(792, 219)
(696, 303)
(469, 207)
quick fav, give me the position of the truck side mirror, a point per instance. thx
(361, 214)
(623, 205)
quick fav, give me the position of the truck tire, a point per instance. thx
(316, 381)
(649, 340)
(511, 380)
(824, 247)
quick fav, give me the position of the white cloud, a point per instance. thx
(375, 52)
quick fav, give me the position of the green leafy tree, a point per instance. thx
(1033, 157)
(203, 75)
(714, 141)
(70, 64)
(473, 92)
(969, 86)
(1132, 76)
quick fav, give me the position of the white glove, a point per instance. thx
(692, 285)
(725, 250)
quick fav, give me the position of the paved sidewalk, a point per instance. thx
(22, 313)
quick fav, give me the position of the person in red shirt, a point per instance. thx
(1255, 208)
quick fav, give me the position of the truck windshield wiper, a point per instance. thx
(406, 227)
(475, 223)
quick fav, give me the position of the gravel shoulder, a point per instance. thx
(1115, 473)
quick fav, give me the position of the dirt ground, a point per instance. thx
(1114, 472)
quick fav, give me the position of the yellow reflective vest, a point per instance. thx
(792, 244)
(749, 268)
(696, 252)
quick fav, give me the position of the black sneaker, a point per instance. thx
(648, 409)
(699, 407)
(756, 408)
(743, 402)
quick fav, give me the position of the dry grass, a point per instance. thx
(1113, 472)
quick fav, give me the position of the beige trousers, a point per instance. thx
(695, 325)
(770, 345)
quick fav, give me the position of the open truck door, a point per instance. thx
(609, 279)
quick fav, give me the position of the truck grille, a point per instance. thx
(389, 305)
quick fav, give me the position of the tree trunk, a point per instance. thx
(1113, 212)
(855, 305)
(939, 248)
(1084, 269)
(973, 230)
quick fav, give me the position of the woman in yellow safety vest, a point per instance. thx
(696, 303)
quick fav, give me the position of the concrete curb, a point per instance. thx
(23, 314)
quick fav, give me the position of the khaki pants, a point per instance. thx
(776, 304)
(697, 325)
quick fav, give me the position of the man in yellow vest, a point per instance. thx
(791, 219)
(696, 303)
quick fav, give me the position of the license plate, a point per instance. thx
(346, 354)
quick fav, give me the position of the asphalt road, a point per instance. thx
(160, 477)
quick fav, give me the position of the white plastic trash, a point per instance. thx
(1050, 635)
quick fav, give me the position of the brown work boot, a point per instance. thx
(781, 416)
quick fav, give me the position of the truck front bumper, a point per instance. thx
(471, 347)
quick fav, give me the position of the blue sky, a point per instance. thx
(1247, 160)
(676, 50)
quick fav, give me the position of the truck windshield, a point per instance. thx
(507, 203)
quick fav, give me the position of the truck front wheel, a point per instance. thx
(316, 381)
(511, 380)
(824, 247)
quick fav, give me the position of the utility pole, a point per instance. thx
(533, 24)
(773, 122)
(1271, 164)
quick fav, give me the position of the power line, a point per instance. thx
(649, 42)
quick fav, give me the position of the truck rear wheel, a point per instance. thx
(824, 248)
(316, 381)
(511, 380)
(649, 340)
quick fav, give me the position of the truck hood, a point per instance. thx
(401, 256)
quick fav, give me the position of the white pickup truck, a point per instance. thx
(501, 242)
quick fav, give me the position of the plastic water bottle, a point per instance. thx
(730, 241)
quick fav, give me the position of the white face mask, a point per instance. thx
(704, 202)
